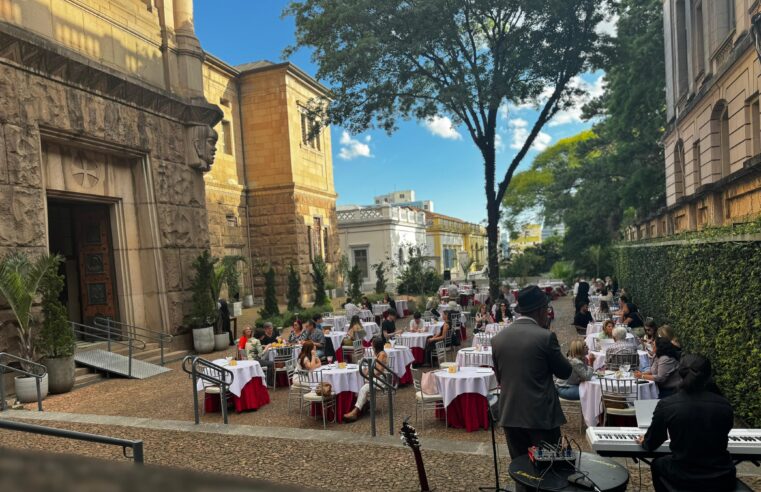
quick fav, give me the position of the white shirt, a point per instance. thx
(575, 288)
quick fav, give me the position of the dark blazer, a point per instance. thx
(526, 356)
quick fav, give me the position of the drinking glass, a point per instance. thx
(330, 359)
(625, 368)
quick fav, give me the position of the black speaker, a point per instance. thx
(447, 275)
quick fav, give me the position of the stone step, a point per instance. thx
(87, 379)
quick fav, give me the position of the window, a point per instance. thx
(449, 258)
(310, 133)
(698, 40)
(696, 165)
(232, 220)
(724, 139)
(360, 260)
(224, 102)
(317, 237)
(325, 248)
(724, 15)
(227, 138)
(401, 256)
(679, 170)
(680, 37)
(755, 127)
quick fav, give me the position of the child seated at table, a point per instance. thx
(364, 391)
(582, 371)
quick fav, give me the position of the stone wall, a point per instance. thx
(63, 118)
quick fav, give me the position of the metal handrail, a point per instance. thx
(208, 374)
(367, 367)
(108, 339)
(136, 446)
(28, 363)
(151, 335)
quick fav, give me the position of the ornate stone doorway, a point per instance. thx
(81, 233)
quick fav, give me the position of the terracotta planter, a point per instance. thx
(203, 339)
(221, 341)
(26, 388)
(60, 374)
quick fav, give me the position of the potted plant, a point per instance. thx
(19, 285)
(56, 342)
(232, 280)
(204, 313)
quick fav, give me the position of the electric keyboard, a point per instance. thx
(743, 445)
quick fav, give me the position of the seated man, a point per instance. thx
(316, 336)
(621, 347)
(269, 336)
(697, 420)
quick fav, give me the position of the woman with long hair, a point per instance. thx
(298, 334)
(381, 356)
(356, 332)
(664, 369)
(308, 360)
(582, 371)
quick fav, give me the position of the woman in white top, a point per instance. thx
(416, 323)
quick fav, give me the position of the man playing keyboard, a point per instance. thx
(698, 421)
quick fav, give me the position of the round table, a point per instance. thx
(247, 387)
(416, 342)
(464, 393)
(608, 475)
(337, 321)
(482, 357)
(379, 309)
(371, 330)
(402, 308)
(346, 384)
(591, 340)
(402, 358)
(590, 394)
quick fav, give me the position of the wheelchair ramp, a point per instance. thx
(118, 364)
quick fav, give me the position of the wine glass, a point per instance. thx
(330, 359)
(625, 368)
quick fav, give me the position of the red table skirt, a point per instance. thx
(418, 354)
(340, 354)
(463, 333)
(253, 396)
(344, 403)
(407, 377)
(468, 411)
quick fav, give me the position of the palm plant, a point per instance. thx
(20, 280)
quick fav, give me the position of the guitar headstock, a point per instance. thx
(409, 435)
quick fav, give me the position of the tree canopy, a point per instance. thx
(463, 59)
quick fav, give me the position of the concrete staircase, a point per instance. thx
(85, 376)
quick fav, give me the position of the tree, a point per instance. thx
(418, 277)
(294, 289)
(231, 276)
(203, 311)
(319, 274)
(522, 265)
(56, 338)
(343, 269)
(596, 253)
(355, 284)
(380, 277)
(462, 59)
(270, 308)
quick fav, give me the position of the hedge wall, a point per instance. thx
(706, 285)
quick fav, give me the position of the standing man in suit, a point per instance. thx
(526, 355)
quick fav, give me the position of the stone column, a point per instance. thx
(190, 56)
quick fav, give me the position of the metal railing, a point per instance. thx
(209, 373)
(136, 446)
(367, 368)
(40, 373)
(135, 332)
(108, 336)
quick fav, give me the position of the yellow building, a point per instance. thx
(447, 237)
(530, 235)
(271, 190)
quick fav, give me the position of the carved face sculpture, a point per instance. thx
(205, 143)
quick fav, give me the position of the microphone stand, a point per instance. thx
(492, 421)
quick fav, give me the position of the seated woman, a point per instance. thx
(604, 311)
(308, 360)
(664, 369)
(356, 332)
(416, 323)
(607, 330)
(483, 318)
(698, 421)
(667, 332)
(255, 351)
(605, 294)
(583, 317)
(503, 313)
(582, 371)
(430, 345)
(632, 318)
(364, 391)
(248, 333)
(298, 333)
(391, 304)
(648, 339)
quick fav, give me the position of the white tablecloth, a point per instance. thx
(338, 322)
(379, 309)
(402, 357)
(371, 329)
(644, 360)
(416, 339)
(593, 328)
(401, 307)
(295, 351)
(243, 372)
(483, 357)
(343, 379)
(483, 339)
(435, 327)
(590, 393)
(591, 340)
(446, 307)
(494, 327)
(466, 380)
(336, 337)
(481, 297)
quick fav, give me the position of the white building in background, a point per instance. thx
(369, 235)
(404, 198)
(549, 231)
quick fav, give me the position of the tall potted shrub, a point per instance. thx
(20, 280)
(319, 275)
(232, 280)
(204, 313)
(294, 289)
(56, 342)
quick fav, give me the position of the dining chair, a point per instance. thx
(440, 353)
(614, 361)
(470, 359)
(573, 407)
(282, 355)
(618, 397)
(425, 401)
(314, 379)
(297, 389)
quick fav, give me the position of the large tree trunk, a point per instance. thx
(492, 238)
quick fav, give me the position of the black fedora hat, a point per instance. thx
(530, 299)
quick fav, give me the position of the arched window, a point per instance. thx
(724, 125)
(679, 170)
(719, 154)
(696, 165)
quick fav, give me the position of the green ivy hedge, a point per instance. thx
(707, 286)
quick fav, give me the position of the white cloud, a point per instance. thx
(441, 126)
(608, 26)
(520, 130)
(499, 145)
(352, 148)
(573, 113)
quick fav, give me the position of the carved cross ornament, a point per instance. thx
(85, 172)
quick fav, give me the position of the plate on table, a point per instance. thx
(467, 349)
(484, 370)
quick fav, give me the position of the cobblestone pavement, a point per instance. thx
(360, 465)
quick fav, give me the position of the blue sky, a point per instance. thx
(439, 162)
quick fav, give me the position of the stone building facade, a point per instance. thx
(447, 237)
(108, 111)
(713, 137)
